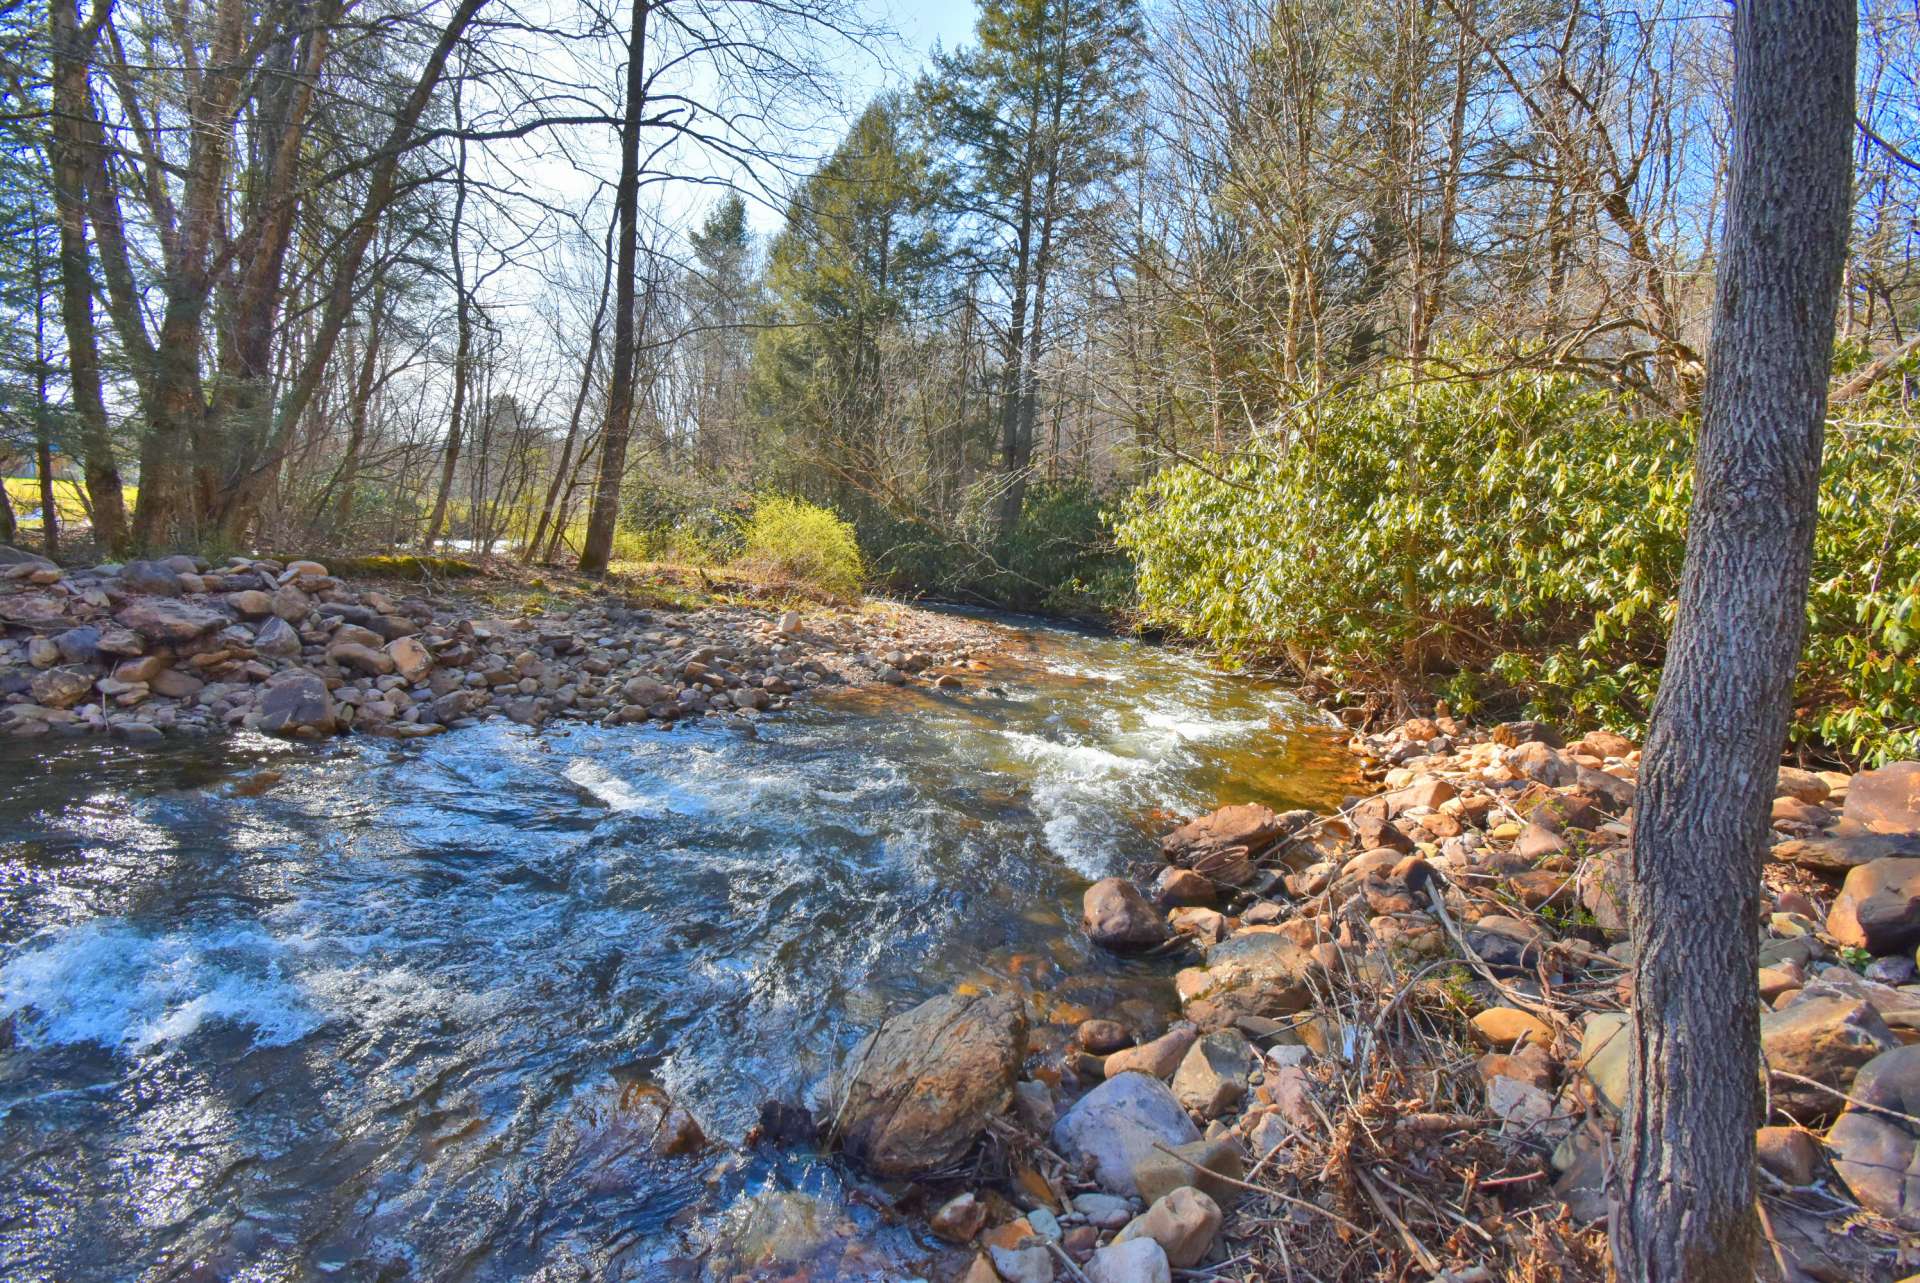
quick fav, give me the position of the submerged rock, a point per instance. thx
(1118, 917)
(926, 1082)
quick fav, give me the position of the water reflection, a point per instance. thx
(379, 1012)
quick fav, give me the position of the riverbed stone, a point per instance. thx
(1118, 917)
(1878, 908)
(959, 1218)
(296, 704)
(363, 658)
(1176, 887)
(1183, 1222)
(926, 1082)
(1211, 1165)
(1103, 1037)
(1221, 846)
(1117, 1124)
(1157, 1058)
(1138, 1260)
(1826, 1040)
(78, 645)
(1886, 800)
(277, 639)
(1878, 1154)
(1215, 1074)
(1256, 972)
(162, 619)
(150, 577)
(60, 687)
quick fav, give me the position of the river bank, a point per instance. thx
(1402, 1047)
(151, 648)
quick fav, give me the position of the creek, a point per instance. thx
(371, 1010)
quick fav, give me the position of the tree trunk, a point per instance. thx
(1721, 717)
(67, 156)
(579, 411)
(463, 341)
(597, 549)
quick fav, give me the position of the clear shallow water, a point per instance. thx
(394, 1013)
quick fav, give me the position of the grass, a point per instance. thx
(24, 494)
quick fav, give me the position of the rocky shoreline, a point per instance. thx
(1401, 1048)
(151, 648)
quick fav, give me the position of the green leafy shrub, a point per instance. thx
(803, 545)
(1060, 557)
(1518, 540)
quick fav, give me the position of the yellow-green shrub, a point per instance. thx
(803, 545)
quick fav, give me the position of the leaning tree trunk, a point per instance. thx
(1714, 747)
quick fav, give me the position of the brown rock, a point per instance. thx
(1177, 887)
(143, 669)
(1116, 916)
(1183, 1222)
(1886, 800)
(60, 687)
(1787, 1152)
(959, 1218)
(1878, 908)
(1803, 786)
(365, 659)
(928, 1080)
(251, 602)
(410, 659)
(1605, 744)
(1198, 1163)
(1825, 1039)
(1791, 810)
(1157, 1059)
(1103, 1037)
(1215, 1074)
(1222, 845)
(1502, 1027)
(1878, 1154)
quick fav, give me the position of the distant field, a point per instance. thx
(24, 494)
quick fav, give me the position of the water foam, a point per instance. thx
(107, 982)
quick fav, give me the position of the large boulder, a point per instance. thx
(1878, 1154)
(1118, 917)
(1117, 1124)
(926, 1082)
(163, 619)
(296, 704)
(1826, 1040)
(1878, 908)
(1886, 800)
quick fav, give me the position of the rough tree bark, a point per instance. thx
(1720, 720)
(72, 45)
(597, 548)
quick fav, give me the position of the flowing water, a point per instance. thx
(365, 1010)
